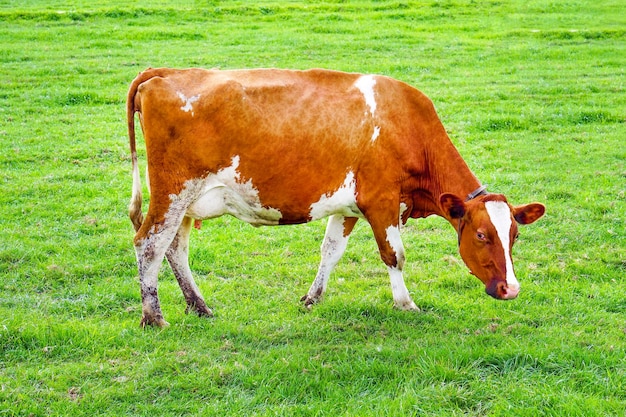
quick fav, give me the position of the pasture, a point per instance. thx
(532, 94)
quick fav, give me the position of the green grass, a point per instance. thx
(533, 95)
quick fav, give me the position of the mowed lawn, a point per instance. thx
(533, 95)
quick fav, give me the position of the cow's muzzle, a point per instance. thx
(500, 290)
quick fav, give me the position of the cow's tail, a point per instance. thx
(134, 208)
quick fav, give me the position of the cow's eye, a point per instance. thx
(481, 236)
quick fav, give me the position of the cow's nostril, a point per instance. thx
(510, 292)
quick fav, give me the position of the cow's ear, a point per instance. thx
(528, 213)
(452, 205)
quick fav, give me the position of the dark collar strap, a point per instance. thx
(479, 191)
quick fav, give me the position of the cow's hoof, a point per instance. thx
(200, 309)
(158, 321)
(309, 301)
(406, 306)
(204, 312)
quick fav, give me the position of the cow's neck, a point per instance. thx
(448, 174)
(457, 178)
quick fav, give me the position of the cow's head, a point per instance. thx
(487, 229)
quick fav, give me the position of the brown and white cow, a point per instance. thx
(275, 147)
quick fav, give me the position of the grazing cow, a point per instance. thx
(274, 147)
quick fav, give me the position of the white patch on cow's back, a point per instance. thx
(342, 201)
(366, 84)
(500, 215)
(376, 133)
(223, 193)
(188, 102)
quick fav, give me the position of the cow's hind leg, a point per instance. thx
(334, 245)
(150, 246)
(178, 257)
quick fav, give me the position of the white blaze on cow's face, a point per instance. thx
(500, 215)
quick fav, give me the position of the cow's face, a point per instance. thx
(487, 229)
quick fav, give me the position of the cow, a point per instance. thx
(283, 147)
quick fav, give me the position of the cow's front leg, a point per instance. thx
(334, 245)
(392, 253)
(178, 257)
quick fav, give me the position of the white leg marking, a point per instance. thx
(401, 297)
(395, 241)
(333, 247)
(500, 215)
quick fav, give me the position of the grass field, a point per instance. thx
(532, 93)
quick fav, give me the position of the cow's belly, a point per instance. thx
(218, 199)
(223, 193)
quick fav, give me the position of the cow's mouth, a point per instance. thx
(500, 290)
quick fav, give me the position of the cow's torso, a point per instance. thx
(274, 147)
